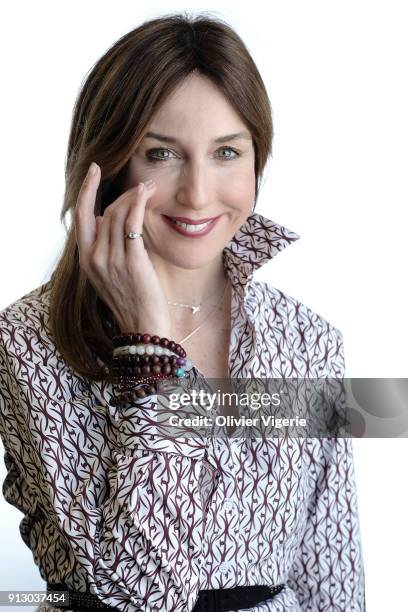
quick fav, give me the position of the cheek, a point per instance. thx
(158, 201)
(238, 189)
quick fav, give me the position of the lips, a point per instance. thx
(190, 233)
(192, 221)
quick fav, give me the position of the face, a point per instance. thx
(197, 178)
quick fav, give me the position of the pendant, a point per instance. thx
(196, 308)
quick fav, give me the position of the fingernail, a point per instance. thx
(92, 168)
(150, 183)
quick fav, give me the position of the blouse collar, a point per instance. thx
(257, 241)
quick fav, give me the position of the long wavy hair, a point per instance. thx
(113, 109)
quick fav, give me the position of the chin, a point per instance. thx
(190, 262)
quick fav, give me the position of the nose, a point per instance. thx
(195, 187)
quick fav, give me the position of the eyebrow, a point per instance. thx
(227, 138)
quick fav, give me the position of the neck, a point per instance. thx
(191, 286)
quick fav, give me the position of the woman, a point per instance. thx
(122, 510)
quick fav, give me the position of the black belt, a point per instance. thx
(211, 600)
(238, 598)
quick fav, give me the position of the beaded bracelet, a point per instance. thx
(134, 339)
(144, 359)
(148, 364)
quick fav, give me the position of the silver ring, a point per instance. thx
(133, 235)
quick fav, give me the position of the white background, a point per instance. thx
(336, 77)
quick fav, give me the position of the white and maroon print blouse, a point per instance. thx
(115, 505)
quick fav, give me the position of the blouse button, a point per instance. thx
(224, 568)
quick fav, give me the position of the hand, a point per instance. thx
(119, 268)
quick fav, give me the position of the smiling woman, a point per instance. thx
(124, 509)
(189, 94)
(195, 183)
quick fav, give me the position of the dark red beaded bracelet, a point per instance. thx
(149, 359)
(145, 364)
(126, 393)
(122, 381)
(144, 370)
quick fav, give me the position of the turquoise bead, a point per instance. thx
(180, 372)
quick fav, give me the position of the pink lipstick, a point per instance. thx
(190, 227)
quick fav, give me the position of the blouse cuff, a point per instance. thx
(172, 420)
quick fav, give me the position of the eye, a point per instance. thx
(229, 149)
(154, 155)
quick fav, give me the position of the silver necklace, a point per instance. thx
(194, 308)
(207, 317)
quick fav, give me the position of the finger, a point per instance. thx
(85, 224)
(100, 252)
(98, 220)
(120, 210)
(135, 218)
(117, 227)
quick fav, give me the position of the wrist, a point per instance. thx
(141, 358)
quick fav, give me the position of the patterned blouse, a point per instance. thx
(116, 505)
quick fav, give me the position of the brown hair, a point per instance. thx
(117, 101)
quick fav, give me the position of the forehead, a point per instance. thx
(197, 106)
